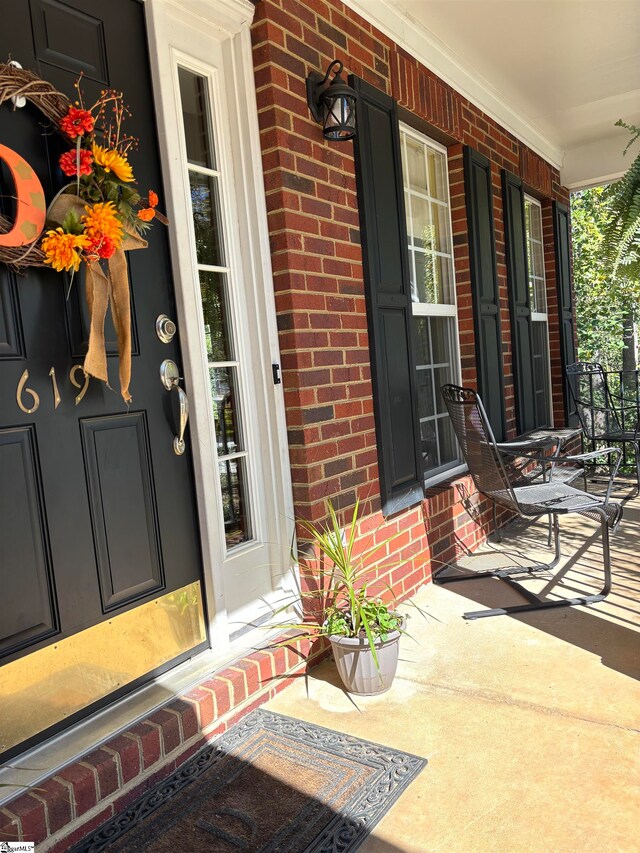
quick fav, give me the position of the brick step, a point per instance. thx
(60, 810)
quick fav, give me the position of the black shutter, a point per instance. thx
(484, 286)
(565, 301)
(519, 301)
(388, 297)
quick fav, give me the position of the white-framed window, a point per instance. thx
(218, 289)
(433, 293)
(539, 315)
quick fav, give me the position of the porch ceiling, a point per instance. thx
(557, 73)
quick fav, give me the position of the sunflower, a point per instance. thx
(61, 249)
(112, 161)
(101, 221)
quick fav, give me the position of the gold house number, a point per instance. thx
(21, 390)
(74, 381)
(56, 393)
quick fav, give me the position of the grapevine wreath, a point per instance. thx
(93, 220)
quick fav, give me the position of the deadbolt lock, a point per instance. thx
(165, 328)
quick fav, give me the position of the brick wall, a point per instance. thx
(315, 242)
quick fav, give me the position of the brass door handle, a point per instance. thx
(170, 378)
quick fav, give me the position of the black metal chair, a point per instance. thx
(488, 469)
(597, 410)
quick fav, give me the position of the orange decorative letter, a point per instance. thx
(30, 206)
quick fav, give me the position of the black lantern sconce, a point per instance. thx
(332, 104)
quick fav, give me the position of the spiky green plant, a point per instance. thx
(622, 236)
(341, 600)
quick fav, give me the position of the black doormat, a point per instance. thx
(271, 784)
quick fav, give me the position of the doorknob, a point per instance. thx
(170, 378)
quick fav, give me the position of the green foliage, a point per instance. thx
(71, 223)
(622, 233)
(343, 577)
(604, 295)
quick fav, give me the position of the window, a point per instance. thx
(217, 294)
(539, 316)
(426, 194)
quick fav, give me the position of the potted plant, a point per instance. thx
(364, 631)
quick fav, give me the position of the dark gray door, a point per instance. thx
(97, 512)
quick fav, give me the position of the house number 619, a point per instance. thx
(22, 390)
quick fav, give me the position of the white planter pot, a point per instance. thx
(356, 665)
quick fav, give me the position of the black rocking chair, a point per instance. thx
(597, 411)
(488, 468)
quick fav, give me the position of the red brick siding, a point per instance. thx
(315, 242)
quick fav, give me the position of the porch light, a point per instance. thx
(332, 104)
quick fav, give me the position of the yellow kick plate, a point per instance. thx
(49, 685)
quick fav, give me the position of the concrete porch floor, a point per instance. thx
(530, 723)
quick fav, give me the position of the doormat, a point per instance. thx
(271, 784)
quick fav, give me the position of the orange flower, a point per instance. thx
(61, 249)
(77, 122)
(101, 221)
(69, 163)
(153, 199)
(112, 161)
(146, 214)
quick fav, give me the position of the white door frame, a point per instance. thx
(185, 28)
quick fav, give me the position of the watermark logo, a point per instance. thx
(11, 846)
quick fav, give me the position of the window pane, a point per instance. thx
(539, 301)
(426, 405)
(446, 441)
(440, 220)
(538, 259)
(217, 328)
(193, 94)
(422, 341)
(437, 174)
(535, 222)
(415, 172)
(428, 445)
(440, 344)
(420, 223)
(225, 409)
(234, 506)
(435, 346)
(206, 219)
(426, 278)
(443, 280)
(540, 350)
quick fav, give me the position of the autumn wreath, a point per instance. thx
(94, 219)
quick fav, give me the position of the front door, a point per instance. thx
(100, 562)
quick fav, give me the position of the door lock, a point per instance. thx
(165, 328)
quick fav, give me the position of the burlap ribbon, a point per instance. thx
(104, 289)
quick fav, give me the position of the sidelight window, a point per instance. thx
(426, 196)
(217, 285)
(539, 315)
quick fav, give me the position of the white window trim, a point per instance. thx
(431, 309)
(236, 304)
(543, 317)
(175, 26)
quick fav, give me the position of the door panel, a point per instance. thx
(127, 542)
(27, 609)
(10, 327)
(97, 513)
